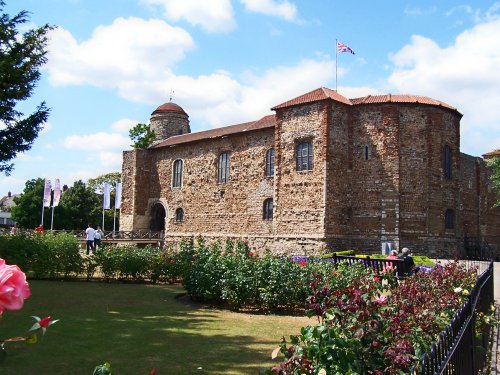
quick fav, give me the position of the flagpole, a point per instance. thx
(114, 221)
(103, 219)
(52, 219)
(336, 57)
(43, 207)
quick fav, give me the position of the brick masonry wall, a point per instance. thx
(210, 208)
(166, 125)
(299, 195)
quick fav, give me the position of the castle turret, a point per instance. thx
(168, 120)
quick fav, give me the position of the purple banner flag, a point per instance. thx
(118, 195)
(57, 193)
(105, 202)
(46, 193)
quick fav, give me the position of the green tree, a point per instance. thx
(28, 209)
(142, 136)
(494, 165)
(97, 184)
(21, 56)
(79, 206)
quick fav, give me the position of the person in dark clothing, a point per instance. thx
(408, 261)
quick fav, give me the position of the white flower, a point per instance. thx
(457, 290)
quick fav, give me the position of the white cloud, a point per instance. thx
(97, 141)
(124, 125)
(212, 16)
(464, 74)
(283, 9)
(46, 127)
(111, 160)
(220, 99)
(127, 49)
(28, 157)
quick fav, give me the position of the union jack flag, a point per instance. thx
(341, 47)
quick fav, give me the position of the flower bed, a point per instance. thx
(374, 325)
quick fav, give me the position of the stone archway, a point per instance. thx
(157, 217)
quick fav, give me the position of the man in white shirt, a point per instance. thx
(89, 232)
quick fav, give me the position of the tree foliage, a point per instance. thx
(494, 165)
(21, 56)
(97, 184)
(79, 205)
(142, 136)
(28, 209)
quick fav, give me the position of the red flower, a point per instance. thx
(152, 372)
(376, 279)
(250, 254)
(44, 323)
(375, 344)
(303, 263)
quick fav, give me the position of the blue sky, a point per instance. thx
(113, 62)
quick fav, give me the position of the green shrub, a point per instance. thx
(344, 252)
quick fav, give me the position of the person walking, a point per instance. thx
(97, 237)
(89, 236)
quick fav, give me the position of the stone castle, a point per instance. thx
(324, 173)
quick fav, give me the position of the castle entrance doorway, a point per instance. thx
(157, 220)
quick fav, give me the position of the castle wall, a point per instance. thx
(378, 178)
(211, 208)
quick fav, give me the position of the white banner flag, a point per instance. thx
(46, 193)
(118, 195)
(57, 193)
(105, 202)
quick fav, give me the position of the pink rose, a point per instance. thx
(14, 288)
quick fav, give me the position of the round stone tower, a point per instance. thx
(168, 120)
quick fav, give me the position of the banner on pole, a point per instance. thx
(118, 195)
(105, 202)
(57, 193)
(46, 193)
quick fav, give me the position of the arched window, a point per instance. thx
(177, 174)
(267, 213)
(304, 156)
(447, 161)
(449, 219)
(366, 152)
(223, 168)
(270, 162)
(179, 215)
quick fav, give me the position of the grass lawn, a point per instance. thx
(135, 328)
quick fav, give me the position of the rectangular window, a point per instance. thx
(268, 209)
(270, 162)
(177, 174)
(304, 156)
(223, 168)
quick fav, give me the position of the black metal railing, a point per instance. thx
(460, 348)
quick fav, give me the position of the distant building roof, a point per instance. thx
(491, 154)
(8, 200)
(265, 122)
(169, 108)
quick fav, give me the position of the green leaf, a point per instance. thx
(104, 369)
(32, 339)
